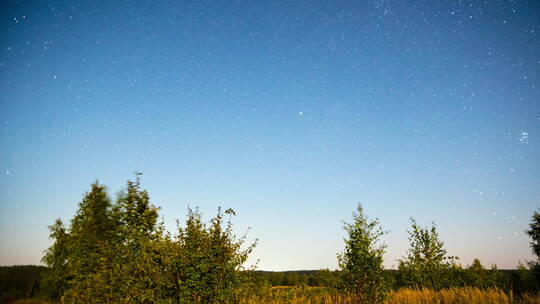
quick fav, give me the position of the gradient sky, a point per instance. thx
(289, 112)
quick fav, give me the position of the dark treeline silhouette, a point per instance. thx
(518, 280)
(20, 282)
(116, 251)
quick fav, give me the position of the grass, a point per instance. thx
(30, 301)
(299, 295)
(458, 295)
(321, 295)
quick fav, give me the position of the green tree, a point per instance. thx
(91, 229)
(138, 215)
(426, 264)
(534, 233)
(324, 278)
(21, 282)
(56, 277)
(135, 263)
(208, 260)
(93, 232)
(121, 254)
(111, 253)
(478, 274)
(362, 272)
(497, 278)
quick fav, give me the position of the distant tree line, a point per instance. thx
(20, 282)
(476, 275)
(312, 278)
(116, 251)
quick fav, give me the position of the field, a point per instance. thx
(321, 295)
(318, 295)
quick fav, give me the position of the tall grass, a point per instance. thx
(457, 295)
(321, 295)
(463, 295)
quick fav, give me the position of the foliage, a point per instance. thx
(478, 274)
(18, 282)
(56, 258)
(92, 230)
(324, 278)
(322, 295)
(207, 260)
(362, 273)
(312, 278)
(426, 264)
(121, 254)
(534, 233)
(130, 269)
(534, 268)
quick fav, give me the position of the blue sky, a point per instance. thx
(289, 112)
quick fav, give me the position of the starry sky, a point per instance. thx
(290, 112)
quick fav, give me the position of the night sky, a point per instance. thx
(289, 112)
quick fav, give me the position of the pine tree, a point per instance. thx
(93, 231)
(92, 228)
(56, 258)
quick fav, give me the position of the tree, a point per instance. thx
(110, 252)
(534, 233)
(362, 272)
(121, 254)
(138, 215)
(132, 268)
(324, 278)
(478, 274)
(207, 260)
(56, 277)
(92, 228)
(93, 237)
(426, 264)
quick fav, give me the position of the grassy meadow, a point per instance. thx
(322, 295)
(318, 295)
